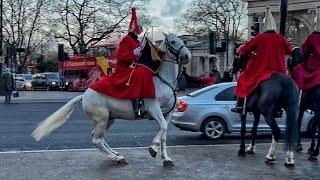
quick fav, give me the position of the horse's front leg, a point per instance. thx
(252, 147)
(164, 155)
(242, 151)
(153, 108)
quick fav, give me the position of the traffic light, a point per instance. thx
(60, 52)
(255, 28)
(212, 42)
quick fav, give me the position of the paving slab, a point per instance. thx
(191, 162)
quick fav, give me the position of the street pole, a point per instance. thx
(1, 39)
(227, 64)
(283, 16)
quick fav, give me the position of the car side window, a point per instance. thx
(226, 95)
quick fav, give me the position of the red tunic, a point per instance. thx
(268, 52)
(116, 85)
(307, 74)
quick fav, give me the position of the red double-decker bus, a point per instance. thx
(78, 72)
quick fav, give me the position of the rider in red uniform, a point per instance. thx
(130, 80)
(307, 74)
(266, 56)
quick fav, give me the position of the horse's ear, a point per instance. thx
(165, 34)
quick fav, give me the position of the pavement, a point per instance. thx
(54, 96)
(191, 162)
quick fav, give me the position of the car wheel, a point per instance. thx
(213, 128)
(70, 88)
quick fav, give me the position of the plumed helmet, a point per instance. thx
(269, 23)
(134, 25)
(317, 20)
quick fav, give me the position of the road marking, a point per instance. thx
(126, 148)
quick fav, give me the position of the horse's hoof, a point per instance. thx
(242, 153)
(251, 151)
(152, 152)
(168, 163)
(299, 148)
(121, 162)
(270, 160)
(289, 165)
(312, 158)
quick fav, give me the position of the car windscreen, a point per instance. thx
(27, 77)
(53, 76)
(201, 91)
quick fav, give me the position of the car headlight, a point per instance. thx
(54, 83)
(66, 83)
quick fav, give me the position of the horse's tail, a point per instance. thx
(292, 94)
(56, 119)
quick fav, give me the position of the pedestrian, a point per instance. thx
(266, 56)
(227, 75)
(215, 73)
(7, 85)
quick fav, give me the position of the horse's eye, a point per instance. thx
(172, 42)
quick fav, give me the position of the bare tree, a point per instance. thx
(23, 22)
(223, 16)
(82, 23)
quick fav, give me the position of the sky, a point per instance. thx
(162, 14)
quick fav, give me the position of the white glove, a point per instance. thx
(137, 51)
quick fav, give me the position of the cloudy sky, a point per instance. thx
(162, 14)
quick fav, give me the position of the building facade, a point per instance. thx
(300, 17)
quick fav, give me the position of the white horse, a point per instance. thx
(102, 110)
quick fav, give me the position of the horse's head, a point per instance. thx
(295, 59)
(175, 49)
(239, 64)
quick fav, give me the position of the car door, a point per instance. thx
(227, 99)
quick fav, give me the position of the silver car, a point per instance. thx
(208, 110)
(23, 81)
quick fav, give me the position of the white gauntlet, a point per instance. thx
(137, 51)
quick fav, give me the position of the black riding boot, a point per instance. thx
(239, 106)
(137, 107)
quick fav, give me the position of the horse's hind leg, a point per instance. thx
(316, 127)
(110, 122)
(98, 141)
(252, 147)
(271, 156)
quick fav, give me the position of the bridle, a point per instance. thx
(173, 51)
(177, 60)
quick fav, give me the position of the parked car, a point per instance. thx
(23, 81)
(46, 81)
(208, 110)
